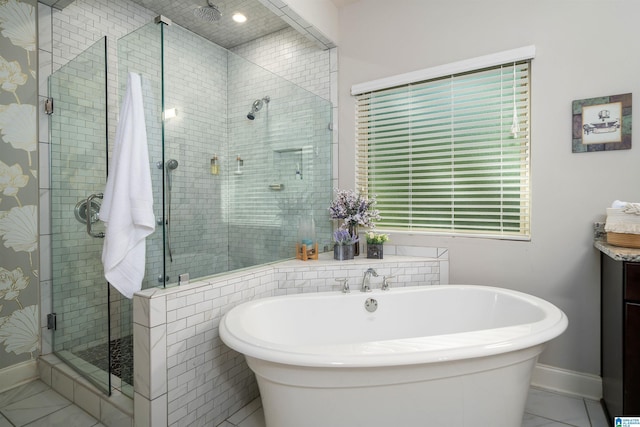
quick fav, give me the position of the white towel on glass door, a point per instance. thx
(127, 207)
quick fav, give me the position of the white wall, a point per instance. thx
(584, 49)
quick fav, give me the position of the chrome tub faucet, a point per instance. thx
(366, 278)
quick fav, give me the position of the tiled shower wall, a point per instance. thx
(291, 134)
(292, 56)
(286, 173)
(196, 85)
(186, 376)
(195, 73)
(227, 221)
(295, 57)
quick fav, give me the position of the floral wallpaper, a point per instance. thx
(19, 313)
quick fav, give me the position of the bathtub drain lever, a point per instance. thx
(371, 305)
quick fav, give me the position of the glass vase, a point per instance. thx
(353, 230)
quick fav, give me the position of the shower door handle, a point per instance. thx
(90, 232)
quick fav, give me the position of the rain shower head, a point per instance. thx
(209, 13)
(257, 106)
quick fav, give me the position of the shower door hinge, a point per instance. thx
(48, 106)
(52, 321)
(183, 279)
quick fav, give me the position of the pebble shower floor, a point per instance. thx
(121, 350)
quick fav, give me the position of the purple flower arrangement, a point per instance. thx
(343, 237)
(354, 209)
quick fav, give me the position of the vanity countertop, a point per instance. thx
(618, 253)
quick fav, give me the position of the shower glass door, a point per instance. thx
(78, 147)
(140, 52)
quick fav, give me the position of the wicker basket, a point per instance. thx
(624, 240)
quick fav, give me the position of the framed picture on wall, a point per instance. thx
(601, 124)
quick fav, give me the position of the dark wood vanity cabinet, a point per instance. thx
(620, 349)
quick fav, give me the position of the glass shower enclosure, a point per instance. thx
(229, 191)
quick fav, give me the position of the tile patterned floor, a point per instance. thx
(36, 405)
(548, 409)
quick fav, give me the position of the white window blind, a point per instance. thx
(450, 154)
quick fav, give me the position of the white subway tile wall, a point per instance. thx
(286, 145)
(290, 55)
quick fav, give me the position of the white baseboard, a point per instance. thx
(569, 382)
(18, 374)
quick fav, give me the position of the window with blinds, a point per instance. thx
(450, 154)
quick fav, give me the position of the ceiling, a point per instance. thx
(225, 32)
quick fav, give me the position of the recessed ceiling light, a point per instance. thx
(239, 18)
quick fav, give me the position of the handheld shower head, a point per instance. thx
(172, 164)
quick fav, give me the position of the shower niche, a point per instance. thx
(288, 165)
(207, 224)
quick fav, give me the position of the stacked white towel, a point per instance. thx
(127, 208)
(623, 217)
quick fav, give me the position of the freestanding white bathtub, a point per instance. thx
(427, 356)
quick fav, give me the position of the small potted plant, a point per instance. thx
(375, 242)
(343, 247)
